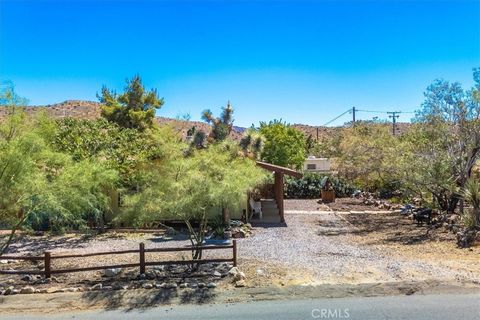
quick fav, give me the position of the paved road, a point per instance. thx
(458, 306)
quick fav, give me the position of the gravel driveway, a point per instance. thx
(320, 242)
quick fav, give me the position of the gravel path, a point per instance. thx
(319, 242)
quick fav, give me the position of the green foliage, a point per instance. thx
(252, 143)
(188, 188)
(221, 126)
(134, 109)
(368, 156)
(39, 183)
(471, 193)
(284, 145)
(125, 150)
(311, 184)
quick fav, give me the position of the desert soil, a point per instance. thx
(346, 245)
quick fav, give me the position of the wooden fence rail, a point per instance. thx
(48, 257)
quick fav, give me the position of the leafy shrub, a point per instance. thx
(310, 185)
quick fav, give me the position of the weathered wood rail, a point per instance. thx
(142, 264)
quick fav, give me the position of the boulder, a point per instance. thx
(27, 290)
(239, 276)
(240, 283)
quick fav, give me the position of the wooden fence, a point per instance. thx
(48, 257)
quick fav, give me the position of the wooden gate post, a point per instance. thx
(142, 258)
(234, 242)
(48, 268)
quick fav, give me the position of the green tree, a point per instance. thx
(367, 157)
(445, 143)
(284, 145)
(194, 188)
(135, 108)
(37, 182)
(221, 126)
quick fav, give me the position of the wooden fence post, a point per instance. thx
(142, 258)
(48, 267)
(234, 242)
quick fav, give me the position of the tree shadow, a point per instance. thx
(129, 300)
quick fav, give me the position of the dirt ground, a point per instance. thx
(345, 248)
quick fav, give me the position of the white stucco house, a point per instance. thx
(314, 164)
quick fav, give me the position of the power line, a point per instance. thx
(386, 112)
(348, 111)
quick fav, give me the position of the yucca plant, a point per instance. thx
(471, 193)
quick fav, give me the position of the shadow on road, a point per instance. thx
(128, 300)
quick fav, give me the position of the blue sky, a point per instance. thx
(304, 62)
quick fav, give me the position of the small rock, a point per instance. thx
(193, 285)
(211, 285)
(98, 286)
(27, 278)
(233, 271)
(27, 290)
(70, 289)
(239, 276)
(260, 272)
(107, 288)
(3, 261)
(201, 285)
(216, 274)
(171, 286)
(9, 291)
(142, 276)
(147, 286)
(240, 283)
(183, 285)
(15, 291)
(112, 272)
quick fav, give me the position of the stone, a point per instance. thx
(142, 276)
(233, 271)
(159, 268)
(239, 276)
(201, 285)
(171, 286)
(162, 285)
(183, 285)
(15, 291)
(211, 285)
(98, 286)
(70, 290)
(216, 274)
(27, 290)
(9, 291)
(27, 278)
(147, 286)
(3, 261)
(260, 272)
(112, 272)
(193, 285)
(240, 283)
(107, 288)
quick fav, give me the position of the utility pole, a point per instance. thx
(353, 114)
(394, 115)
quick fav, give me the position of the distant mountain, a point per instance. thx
(81, 109)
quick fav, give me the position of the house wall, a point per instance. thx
(321, 164)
